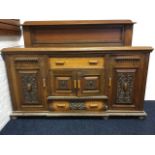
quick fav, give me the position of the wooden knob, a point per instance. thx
(93, 62)
(61, 105)
(93, 105)
(59, 62)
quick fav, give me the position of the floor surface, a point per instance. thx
(83, 126)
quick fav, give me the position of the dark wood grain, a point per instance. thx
(77, 68)
(78, 33)
(120, 60)
(78, 22)
(10, 27)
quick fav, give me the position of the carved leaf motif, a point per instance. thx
(125, 87)
(77, 105)
(29, 79)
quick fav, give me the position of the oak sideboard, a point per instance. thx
(77, 68)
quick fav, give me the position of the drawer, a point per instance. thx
(94, 105)
(59, 106)
(77, 106)
(91, 62)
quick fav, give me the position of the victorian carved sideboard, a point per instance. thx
(77, 68)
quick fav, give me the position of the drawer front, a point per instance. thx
(59, 106)
(77, 106)
(91, 62)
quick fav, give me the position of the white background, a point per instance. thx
(140, 11)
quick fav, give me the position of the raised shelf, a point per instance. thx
(78, 33)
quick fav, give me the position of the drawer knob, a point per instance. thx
(93, 62)
(60, 62)
(93, 105)
(61, 105)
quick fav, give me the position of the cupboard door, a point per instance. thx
(90, 82)
(63, 83)
(124, 82)
(29, 83)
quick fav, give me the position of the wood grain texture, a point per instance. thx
(118, 63)
(10, 27)
(77, 68)
(75, 22)
(78, 33)
(75, 114)
(60, 50)
(73, 62)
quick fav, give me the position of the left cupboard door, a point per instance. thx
(28, 82)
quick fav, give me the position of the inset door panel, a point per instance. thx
(29, 86)
(90, 82)
(125, 86)
(62, 82)
(30, 89)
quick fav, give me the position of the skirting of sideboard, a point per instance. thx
(70, 114)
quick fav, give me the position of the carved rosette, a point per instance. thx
(63, 84)
(90, 85)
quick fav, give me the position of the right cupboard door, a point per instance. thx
(90, 82)
(125, 82)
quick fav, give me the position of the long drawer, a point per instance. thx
(72, 62)
(77, 105)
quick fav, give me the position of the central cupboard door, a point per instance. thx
(90, 82)
(63, 83)
(77, 83)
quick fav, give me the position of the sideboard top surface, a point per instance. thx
(49, 50)
(77, 22)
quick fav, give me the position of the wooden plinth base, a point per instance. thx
(140, 114)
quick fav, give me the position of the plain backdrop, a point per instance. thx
(140, 11)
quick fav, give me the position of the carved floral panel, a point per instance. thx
(125, 86)
(29, 87)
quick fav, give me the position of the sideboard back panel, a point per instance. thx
(87, 34)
